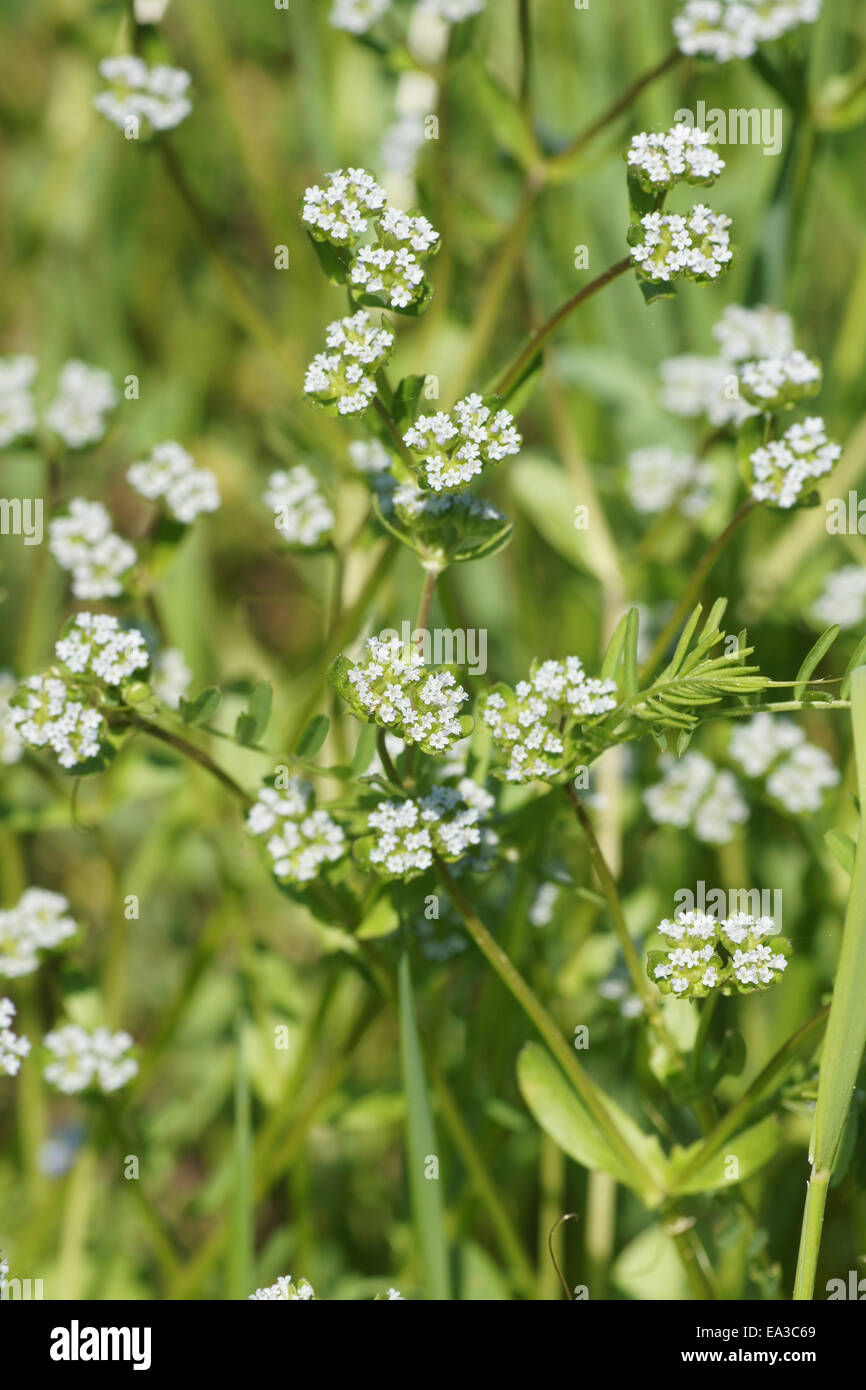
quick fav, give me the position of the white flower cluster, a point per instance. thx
(417, 507)
(392, 686)
(453, 449)
(38, 922)
(659, 477)
(48, 714)
(84, 397)
(95, 646)
(83, 543)
(726, 29)
(693, 967)
(660, 161)
(801, 771)
(170, 474)
(693, 385)
(299, 838)
(369, 456)
(389, 271)
(529, 723)
(781, 468)
(695, 247)
(17, 407)
(141, 97)
(773, 383)
(301, 514)
(695, 794)
(84, 1059)
(171, 677)
(343, 379)
(410, 833)
(843, 598)
(357, 16)
(12, 1048)
(11, 746)
(744, 334)
(284, 1290)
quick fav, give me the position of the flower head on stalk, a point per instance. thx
(85, 1059)
(38, 922)
(452, 449)
(735, 955)
(727, 29)
(83, 542)
(299, 839)
(693, 793)
(141, 99)
(666, 246)
(342, 380)
(391, 686)
(84, 397)
(782, 468)
(683, 154)
(12, 1047)
(301, 514)
(537, 726)
(406, 835)
(170, 476)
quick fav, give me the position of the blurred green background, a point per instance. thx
(102, 261)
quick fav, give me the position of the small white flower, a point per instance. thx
(843, 598)
(369, 456)
(17, 408)
(38, 922)
(757, 744)
(800, 781)
(48, 714)
(299, 838)
(171, 677)
(693, 793)
(301, 514)
(97, 647)
(695, 247)
(343, 378)
(11, 745)
(170, 475)
(693, 385)
(12, 1049)
(409, 833)
(776, 382)
(143, 99)
(659, 477)
(744, 334)
(419, 704)
(535, 725)
(83, 542)
(357, 16)
(454, 448)
(284, 1291)
(782, 467)
(726, 29)
(84, 397)
(660, 161)
(84, 1059)
(340, 212)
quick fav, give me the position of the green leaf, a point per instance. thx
(330, 260)
(751, 1149)
(421, 1148)
(202, 708)
(382, 919)
(313, 736)
(562, 1114)
(500, 111)
(614, 650)
(250, 727)
(653, 290)
(406, 400)
(629, 654)
(857, 660)
(365, 749)
(842, 848)
(813, 657)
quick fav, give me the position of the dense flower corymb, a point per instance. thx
(391, 270)
(38, 922)
(666, 246)
(83, 543)
(782, 467)
(738, 954)
(49, 714)
(95, 646)
(85, 1059)
(170, 475)
(343, 379)
(142, 98)
(726, 29)
(340, 212)
(301, 514)
(659, 477)
(536, 725)
(773, 383)
(285, 1291)
(843, 598)
(659, 161)
(407, 834)
(694, 793)
(84, 397)
(299, 838)
(452, 449)
(392, 687)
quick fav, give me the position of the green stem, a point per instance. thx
(621, 105)
(541, 335)
(810, 1236)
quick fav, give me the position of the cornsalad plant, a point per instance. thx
(433, 730)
